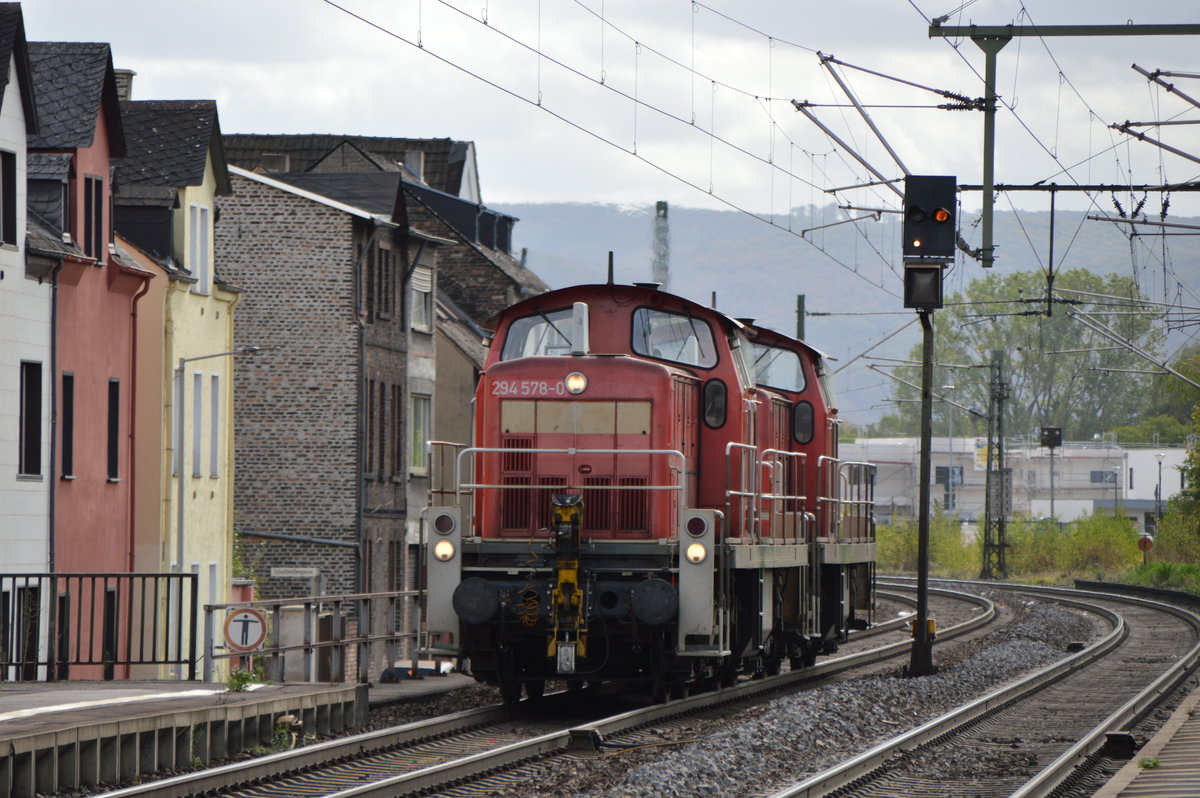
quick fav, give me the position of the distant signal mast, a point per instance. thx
(662, 246)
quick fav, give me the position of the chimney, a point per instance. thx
(124, 83)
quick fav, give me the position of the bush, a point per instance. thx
(1178, 576)
(1103, 544)
(1034, 547)
(949, 554)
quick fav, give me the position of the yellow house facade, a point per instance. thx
(184, 436)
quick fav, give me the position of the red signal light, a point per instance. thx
(941, 215)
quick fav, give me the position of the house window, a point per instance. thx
(369, 459)
(1103, 477)
(8, 198)
(418, 459)
(114, 429)
(214, 428)
(422, 298)
(385, 282)
(68, 425)
(176, 423)
(1131, 479)
(383, 422)
(93, 217)
(397, 432)
(372, 291)
(29, 461)
(198, 263)
(197, 414)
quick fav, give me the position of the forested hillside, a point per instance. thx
(758, 270)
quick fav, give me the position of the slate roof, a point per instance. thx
(445, 159)
(168, 143)
(14, 46)
(72, 82)
(372, 191)
(49, 165)
(41, 238)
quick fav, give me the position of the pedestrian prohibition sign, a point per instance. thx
(1145, 543)
(245, 629)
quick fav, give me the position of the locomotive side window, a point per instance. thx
(776, 367)
(716, 400)
(673, 336)
(539, 334)
(802, 422)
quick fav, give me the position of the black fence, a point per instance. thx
(96, 626)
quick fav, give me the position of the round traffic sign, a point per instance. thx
(1145, 543)
(245, 629)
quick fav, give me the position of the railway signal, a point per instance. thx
(927, 246)
(927, 237)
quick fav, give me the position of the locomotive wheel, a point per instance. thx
(772, 665)
(535, 689)
(510, 691)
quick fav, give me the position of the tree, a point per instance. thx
(1061, 373)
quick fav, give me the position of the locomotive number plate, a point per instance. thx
(528, 388)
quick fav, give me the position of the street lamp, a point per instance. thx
(181, 444)
(1158, 492)
(950, 447)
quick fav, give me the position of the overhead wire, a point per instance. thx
(598, 136)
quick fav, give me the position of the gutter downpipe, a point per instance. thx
(133, 370)
(361, 579)
(50, 553)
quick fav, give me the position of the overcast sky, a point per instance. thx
(721, 67)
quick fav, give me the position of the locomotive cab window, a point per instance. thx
(802, 422)
(776, 367)
(676, 337)
(539, 334)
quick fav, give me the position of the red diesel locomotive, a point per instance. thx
(653, 496)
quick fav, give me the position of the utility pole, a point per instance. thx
(997, 500)
(662, 246)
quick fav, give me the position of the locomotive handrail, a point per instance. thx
(773, 458)
(846, 491)
(747, 496)
(464, 488)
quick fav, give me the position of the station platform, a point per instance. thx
(57, 736)
(1168, 765)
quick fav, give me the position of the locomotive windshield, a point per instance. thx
(539, 334)
(675, 337)
(776, 367)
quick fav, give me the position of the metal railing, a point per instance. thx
(324, 634)
(846, 498)
(51, 623)
(467, 490)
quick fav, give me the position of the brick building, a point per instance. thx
(331, 421)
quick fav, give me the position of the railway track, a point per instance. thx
(428, 754)
(1032, 737)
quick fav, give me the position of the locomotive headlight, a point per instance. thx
(695, 553)
(443, 550)
(576, 383)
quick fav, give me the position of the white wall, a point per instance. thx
(24, 336)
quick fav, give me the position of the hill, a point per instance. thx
(757, 270)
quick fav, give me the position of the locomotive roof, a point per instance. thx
(527, 305)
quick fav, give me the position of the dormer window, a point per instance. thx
(198, 247)
(93, 217)
(8, 198)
